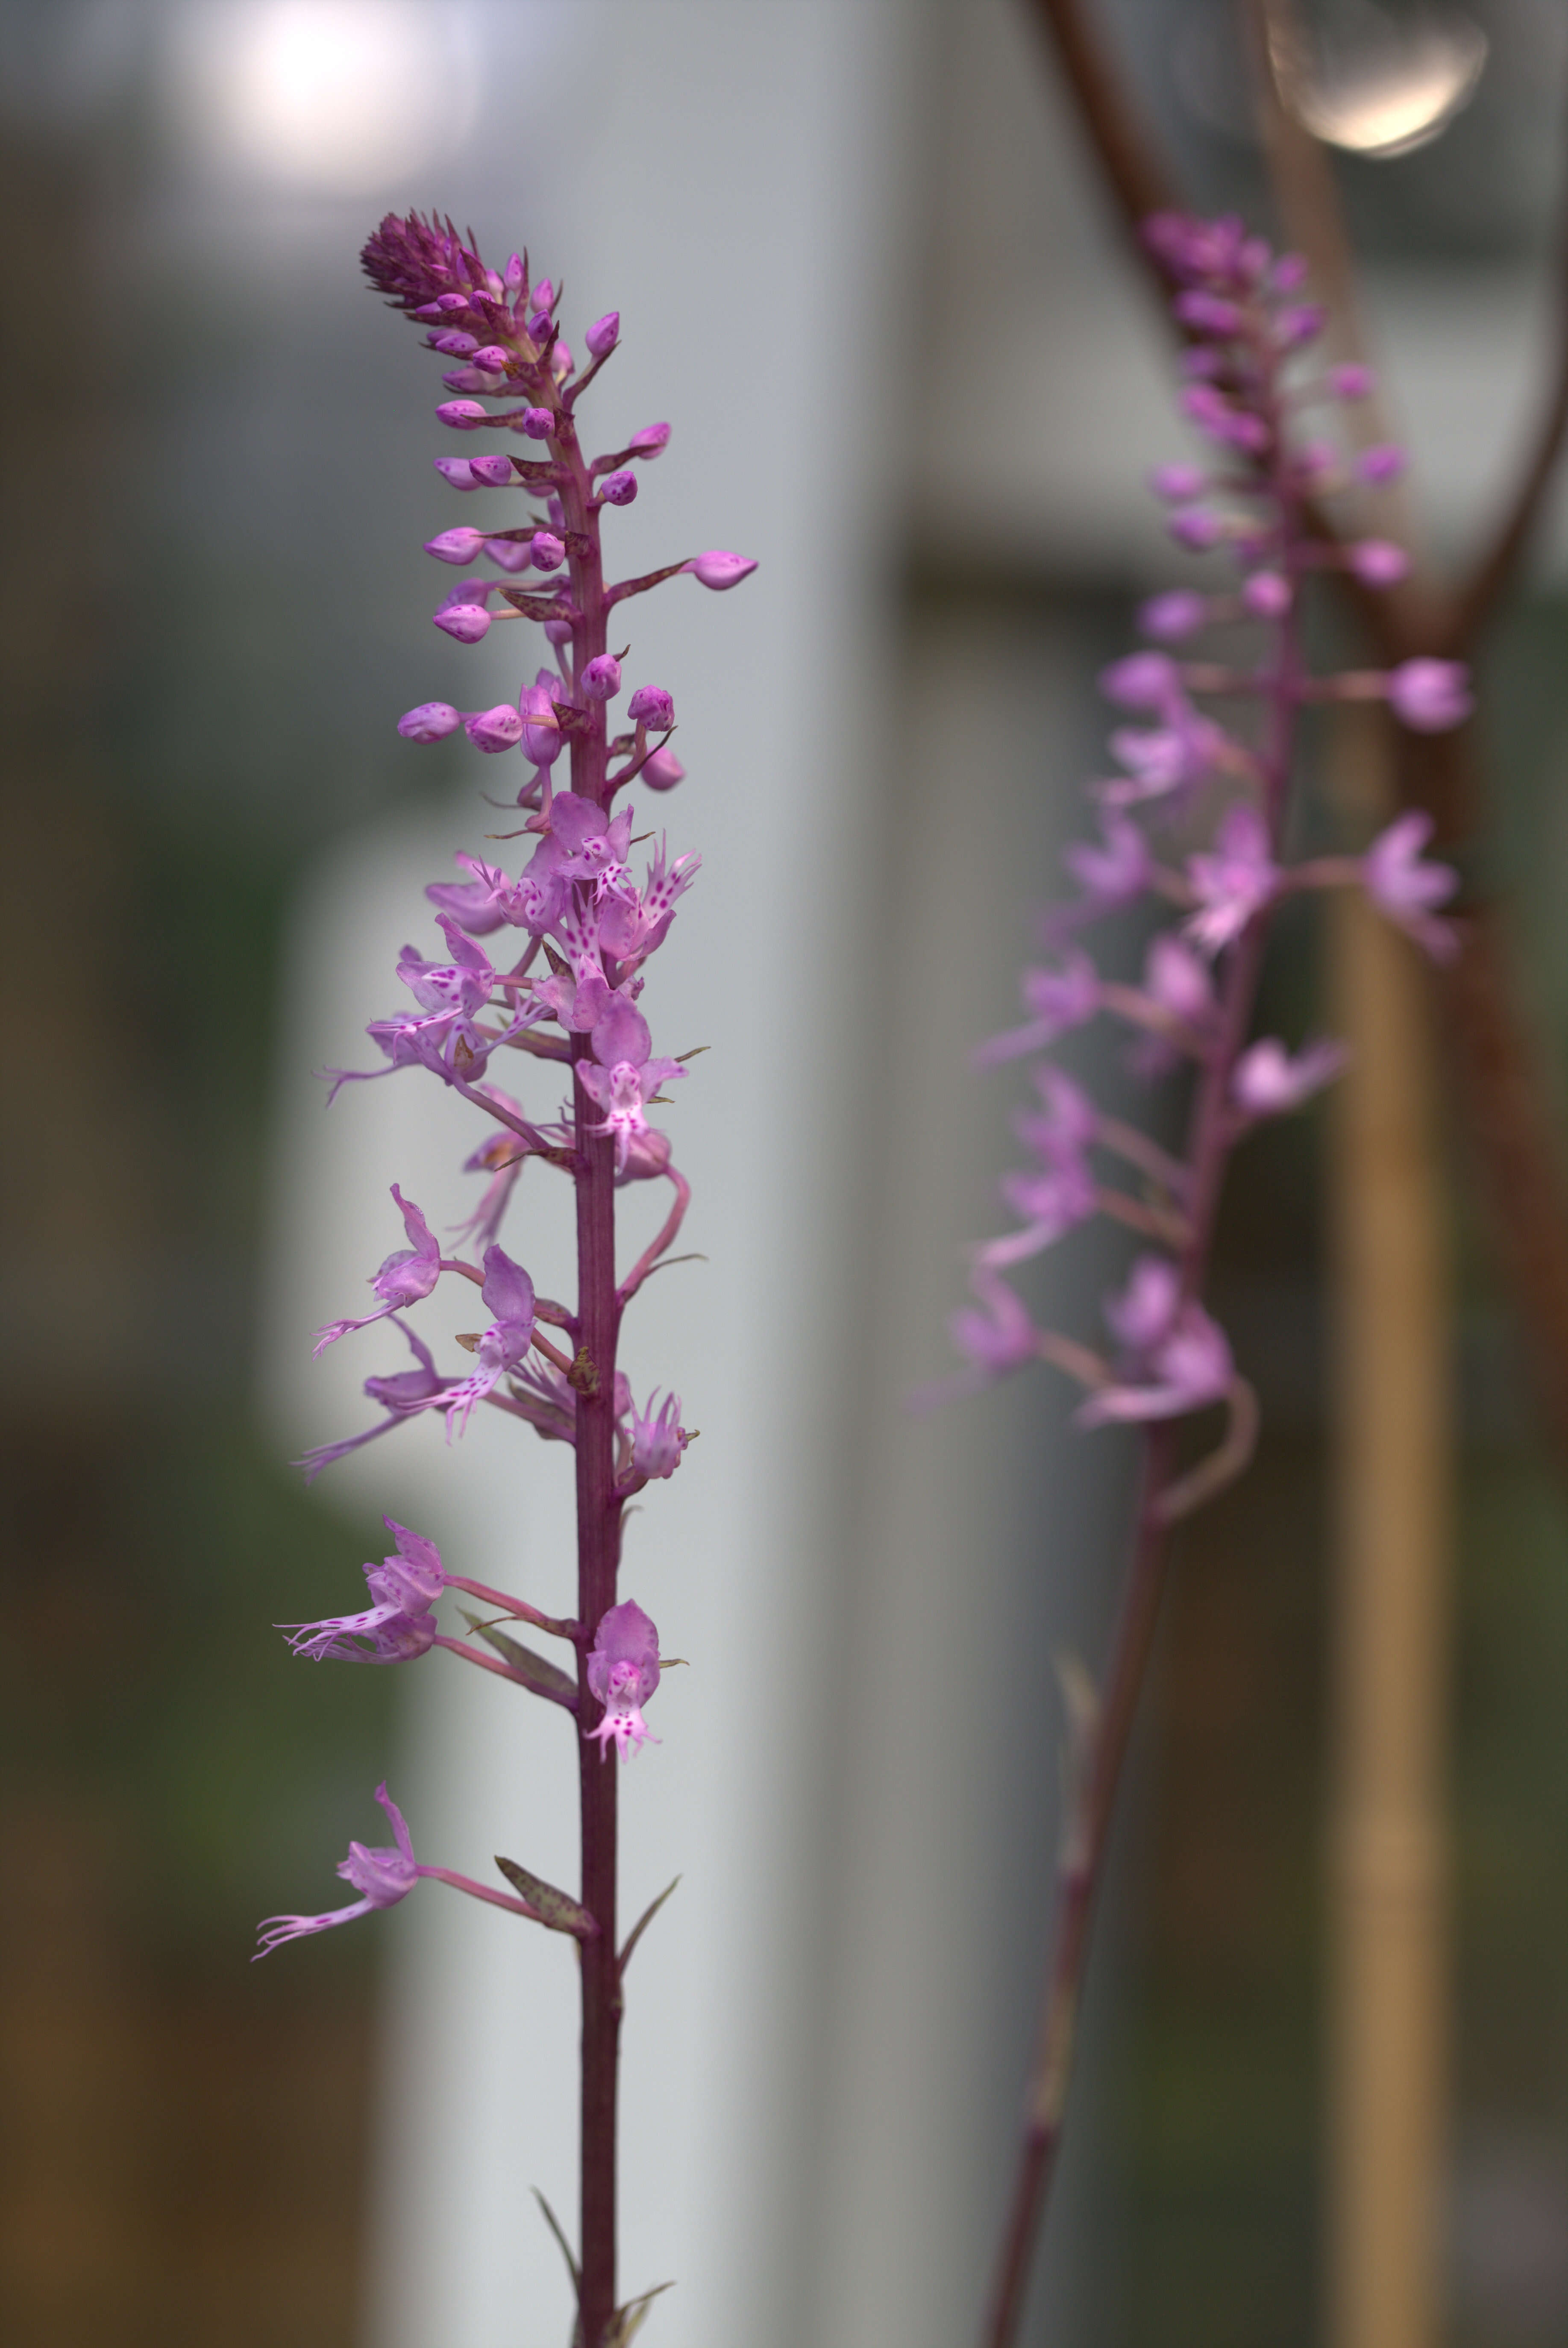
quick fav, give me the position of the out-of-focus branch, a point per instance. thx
(1128, 153)
(1478, 595)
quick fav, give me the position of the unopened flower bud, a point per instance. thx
(540, 323)
(538, 422)
(1172, 616)
(1300, 324)
(1140, 680)
(1267, 595)
(652, 706)
(1378, 562)
(470, 379)
(459, 471)
(515, 273)
(1178, 481)
(468, 622)
(1385, 463)
(651, 440)
(542, 735)
(462, 414)
(493, 472)
(562, 361)
(1352, 381)
(549, 553)
(1197, 528)
(718, 570)
(458, 545)
(618, 488)
(453, 344)
(492, 358)
(543, 297)
(601, 678)
(603, 333)
(495, 729)
(450, 302)
(661, 771)
(1429, 696)
(559, 631)
(1206, 313)
(431, 722)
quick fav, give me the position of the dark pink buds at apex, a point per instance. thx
(549, 553)
(603, 334)
(601, 678)
(453, 344)
(652, 706)
(462, 414)
(492, 358)
(717, 569)
(660, 770)
(500, 728)
(431, 722)
(618, 488)
(538, 422)
(458, 545)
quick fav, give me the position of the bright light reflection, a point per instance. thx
(1392, 90)
(337, 95)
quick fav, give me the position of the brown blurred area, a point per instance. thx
(181, 2139)
(181, 2160)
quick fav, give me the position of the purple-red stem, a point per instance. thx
(598, 1509)
(1211, 1136)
